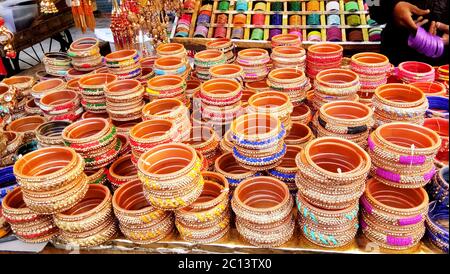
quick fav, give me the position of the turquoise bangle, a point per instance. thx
(313, 19)
(241, 5)
(257, 34)
(351, 6)
(334, 19)
(162, 72)
(353, 20)
(181, 34)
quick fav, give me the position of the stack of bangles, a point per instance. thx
(192, 87)
(258, 141)
(399, 102)
(98, 176)
(220, 101)
(314, 36)
(27, 225)
(441, 127)
(7, 181)
(372, 69)
(91, 221)
(73, 74)
(62, 105)
(263, 208)
(228, 71)
(255, 63)
(375, 34)
(208, 218)
(332, 173)
(51, 179)
(85, 54)
(272, 102)
(334, 34)
(393, 218)
(426, 43)
(431, 88)
(95, 139)
(412, 71)
(203, 19)
(170, 65)
(333, 20)
(403, 154)
(290, 81)
(220, 31)
(56, 63)
(121, 171)
(11, 142)
(436, 221)
(287, 169)
(138, 220)
(22, 84)
(441, 76)
(335, 85)
(171, 50)
(206, 59)
(172, 110)
(124, 64)
(227, 165)
(183, 25)
(26, 126)
(302, 114)
(167, 86)
(288, 57)
(124, 99)
(258, 86)
(92, 89)
(147, 70)
(291, 40)
(148, 134)
(345, 119)
(224, 45)
(171, 176)
(438, 188)
(323, 56)
(299, 135)
(437, 107)
(43, 87)
(275, 20)
(50, 133)
(237, 33)
(206, 141)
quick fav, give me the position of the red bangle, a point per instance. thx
(258, 19)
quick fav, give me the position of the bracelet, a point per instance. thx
(438, 107)
(351, 6)
(437, 233)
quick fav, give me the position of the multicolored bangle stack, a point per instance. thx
(287, 169)
(206, 141)
(95, 139)
(10, 141)
(272, 102)
(122, 171)
(43, 87)
(263, 208)
(27, 225)
(167, 86)
(412, 71)
(138, 220)
(208, 218)
(254, 61)
(323, 56)
(62, 105)
(258, 141)
(91, 221)
(85, 54)
(206, 59)
(51, 179)
(289, 57)
(171, 176)
(228, 71)
(437, 107)
(345, 119)
(50, 133)
(331, 178)
(170, 65)
(399, 102)
(403, 154)
(172, 110)
(435, 222)
(393, 218)
(124, 99)
(299, 135)
(148, 134)
(441, 127)
(372, 69)
(93, 91)
(226, 46)
(335, 85)
(124, 64)
(26, 126)
(184, 25)
(290, 81)
(56, 63)
(438, 188)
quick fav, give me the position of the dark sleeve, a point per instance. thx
(381, 10)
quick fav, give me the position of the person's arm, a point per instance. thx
(400, 12)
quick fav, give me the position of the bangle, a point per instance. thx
(431, 88)
(438, 235)
(288, 57)
(333, 19)
(26, 126)
(299, 135)
(239, 19)
(312, 5)
(223, 5)
(412, 71)
(50, 133)
(372, 69)
(438, 189)
(170, 50)
(237, 33)
(85, 54)
(41, 88)
(334, 34)
(292, 6)
(206, 59)
(7, 181)
(332, 6)
(287, 169)
(351, 6)
(254, 62)
(440, 126)
(323, 56)
(228, 71)
(227, 165)
(225, 46)
(437, 107)
(286, 40)
(121, 171)
(257, 34)
(124, 99)
(313, 19)
(254, 224)
(314, 36)
(353, 20)
(258, 19)
(241, 5)
(355, 36)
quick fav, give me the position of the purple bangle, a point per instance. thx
(201, 31)
(273, 32)
(440, 47)
(203, 19)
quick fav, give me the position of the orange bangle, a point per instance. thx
(239, 19)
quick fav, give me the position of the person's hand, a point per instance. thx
(442, 27)
(403, 12)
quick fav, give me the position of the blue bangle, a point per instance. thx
(241, 5)
(438, 188)
(235, 182)
(437, 213)
(261, 144)
(7, 181)
(178, 71)
(265, 160)
(333, 19)
(285, 177)
(436, 105)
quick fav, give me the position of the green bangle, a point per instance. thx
(224, 5)
(351, 6)
(353, 20)
(277, 6)
(257, 34)
(294, 6)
